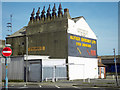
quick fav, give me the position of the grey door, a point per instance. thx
(35, 72)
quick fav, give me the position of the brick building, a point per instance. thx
(62, 40)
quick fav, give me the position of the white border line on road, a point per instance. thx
(95, 87)
(57, 86)
(23, 87)
(75, 87)
(40, 86)
(12, 85)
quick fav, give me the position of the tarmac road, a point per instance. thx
(54, 87)
(95, 84)
(26, 88)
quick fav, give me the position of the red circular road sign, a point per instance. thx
(6, 51)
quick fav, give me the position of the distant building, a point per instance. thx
(2, 45)
(60, 39)
(109, 63)
(101, 69)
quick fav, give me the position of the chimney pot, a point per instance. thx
(66, 10)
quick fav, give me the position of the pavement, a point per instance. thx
(106, 84)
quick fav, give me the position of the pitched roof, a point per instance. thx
(20, 32)
(101, 65)
(77, 18)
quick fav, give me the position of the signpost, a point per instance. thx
(116, 75)
(6, 52)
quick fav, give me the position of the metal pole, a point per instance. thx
(53, 79)
(42, 74)
(26, 56)
(6, 78)
(115, 68)
(11, 22)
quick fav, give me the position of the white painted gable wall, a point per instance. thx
(80, 26)
(83, 68)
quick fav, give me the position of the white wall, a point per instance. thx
(83, 68)
(80, 28)
(33, 57)
(53, 62)
(80, 68)
(46, 61)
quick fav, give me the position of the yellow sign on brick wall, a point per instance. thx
(40, 48)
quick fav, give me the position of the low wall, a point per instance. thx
(82, 68)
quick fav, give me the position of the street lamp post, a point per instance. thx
(26, 57)
(115, 68)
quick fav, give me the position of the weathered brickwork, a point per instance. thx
(47, 35)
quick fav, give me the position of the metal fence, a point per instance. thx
(54, 73)
(35, 70)
(38, 73)
(15, 69)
